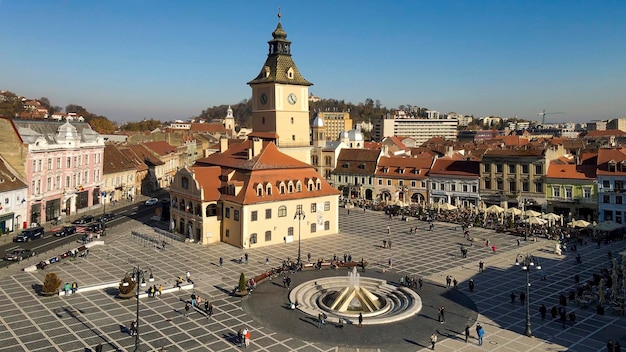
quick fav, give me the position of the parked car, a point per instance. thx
(29, 234)
(19, 254)
(152, 201)
(85, 219)
(65, 231)
(106, 217)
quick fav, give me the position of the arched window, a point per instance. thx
(184, 182)
(211, 210)
(319, 186)
(282, 188)
(299, 186)
(182, 204)
(282, 211)
(268, 190)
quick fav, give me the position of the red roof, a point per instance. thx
(571, 171)
(208, 178)
(162, 148)
(207, 128)
(455, 167)
(605, 133)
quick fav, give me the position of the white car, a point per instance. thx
(152, 201)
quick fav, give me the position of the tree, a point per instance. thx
(242, 283)
(45, 102)
(75, 109)
(51, 283)
(102, 125)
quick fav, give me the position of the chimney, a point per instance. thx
(223, 145)
(257, 145)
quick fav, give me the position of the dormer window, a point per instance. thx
(345, 165)
(400, 171)
(612, 166)
(319, 186)
(290, 73)
(268, 190)
(290, 187)
(362, 166)
(299, 186)
(259, 191)
(266, 72)
(282, 188)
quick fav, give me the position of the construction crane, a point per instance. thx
(543, 115)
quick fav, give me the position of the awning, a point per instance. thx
(7, 216)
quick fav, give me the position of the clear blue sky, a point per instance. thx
(130, 59)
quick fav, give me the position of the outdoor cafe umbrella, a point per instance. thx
(514, 211)
(551, 217)
(494, 209)
(447, 207)
(579, 223)
(535, 220)
(608, 226)
(531, 213)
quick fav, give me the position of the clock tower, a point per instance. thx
(280, 105)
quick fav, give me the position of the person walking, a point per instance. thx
(513, 297)
(543, 310)
(320, 320)
(388, 230)
(480, 332)
(360, 320)
(442, 317)
(74, 287)
(467, 332)
(553, 312)
(67, 288)
(160, 289)
(481, 266)
(433, 340)
(246, 338)
(609, 346)
(267, 260)
(389, 243)
(187, 307)
(448, 281)
(522, 297)
(206, 308)
(246, 257)
(471, 285)
(221, 261)
(454, 283)
(240, 338)
(420, 282)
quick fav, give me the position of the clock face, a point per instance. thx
(292, 99)
(263, 98)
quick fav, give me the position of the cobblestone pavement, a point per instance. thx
(29, 322)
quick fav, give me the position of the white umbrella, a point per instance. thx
(579, 223)
(531, 213)
(551, 217)
(494, 209)
(447, 206)
(514, 211)
(535, 221)
(608, 226)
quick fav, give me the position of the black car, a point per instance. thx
(106, 217)
(19, 254)
(85, 219)
(65, 231)
(29, 234)
(94, 227)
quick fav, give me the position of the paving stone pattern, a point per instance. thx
(29, 322)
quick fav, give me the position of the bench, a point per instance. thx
(89, 288)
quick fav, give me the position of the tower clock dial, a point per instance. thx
(292, 98)
(263, 98)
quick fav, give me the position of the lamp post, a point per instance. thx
(299, 216)
(527, 261)
(139, 276)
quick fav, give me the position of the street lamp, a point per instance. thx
(299, 216)
(139, 275)
(527, 261)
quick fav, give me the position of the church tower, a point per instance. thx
(318, 132)
(229, 121)
(280, 105)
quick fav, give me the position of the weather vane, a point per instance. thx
(278, 14)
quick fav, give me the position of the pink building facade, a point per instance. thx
(63, 168)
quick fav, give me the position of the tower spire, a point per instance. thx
(279, 15)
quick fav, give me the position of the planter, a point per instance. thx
(49, 294)
(241, 293)
(126, 295)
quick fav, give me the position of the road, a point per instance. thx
(137, 211)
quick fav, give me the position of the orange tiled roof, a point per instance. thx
(357, 161)
(162, 148)
(115, 161)
(606, 155)
(455, 167)
(134, 158)
(604, 133)
(207, 128)
(403, 167)
(571, 171)
(372, 145)
(208, 178)
(144, 154)
(513, 152)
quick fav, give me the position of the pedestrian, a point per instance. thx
(388, 230)
(360, 320)
(390, 263)
(152, 291)
(389, 244)
(563, 315)
(188, 275)
(420, 282)
(267, 260)
(481, 266)
(471, 285)
(522, 297)
(210, 310)
(432, 226)
(221, 261)
(74, 287)
(308, 257)
(240, 338)
(320, 320)
(133, 328)
(194, 301)
(246, 337)
(513, 297)
(610, 346)
(618, 347)
(481, 333)
(467, 332)
(493, 249)
(454, 283)
(572, 317)
(433, 340)
(206, 308)
(577, 279)
(553, 312)
(448, 281)
(543, 310)
(160, 289)
(67, 288)
(187, 307)
(442, 317)
(384, 244)
(543, 275)
(246, 257)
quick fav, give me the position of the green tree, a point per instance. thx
(242, 283)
